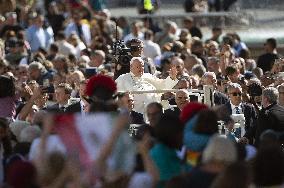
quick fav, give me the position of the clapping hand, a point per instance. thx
(173, 73)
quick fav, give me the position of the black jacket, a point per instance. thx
(136, 118)
(175, 111)
(266, 61)
(220, 98)
(271, 117)
(55, 109)
(73, 108)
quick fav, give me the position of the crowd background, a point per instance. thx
(58, 57)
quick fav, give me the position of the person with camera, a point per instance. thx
(237, 106)
(137, 80)
(133, 48)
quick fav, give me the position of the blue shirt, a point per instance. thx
(38, 37)
(35, 37)
(167, 161)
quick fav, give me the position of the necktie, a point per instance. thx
(237, 110)
(238, 131)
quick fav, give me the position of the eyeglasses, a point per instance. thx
(236, 94)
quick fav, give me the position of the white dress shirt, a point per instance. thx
(234, 110)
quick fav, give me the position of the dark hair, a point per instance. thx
(67, 88)
(60, 35)
(236, 175)
(228, 40)
(244, 53)
(157, 105)
(7, 86)
(54, 47)
(86, 51)
(268, 166)
(216, 29)
(231, 69)
(272, 42)
(206, 122)
(148, 34)
(167, 130)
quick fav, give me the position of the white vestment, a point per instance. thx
(128, 82)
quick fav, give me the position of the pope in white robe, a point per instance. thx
(137, 80)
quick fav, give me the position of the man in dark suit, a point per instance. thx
(266, 61)
(236, 106)
(181, 99)
(271, 116)
(62, 96)
(125, 101)
(81, 105)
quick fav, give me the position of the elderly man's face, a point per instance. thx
(181, 99)
(137, 68)
(34, 74)
(179, 64)
(209, 80)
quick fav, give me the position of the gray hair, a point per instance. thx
(28, 134)
(221, 149)
(234, 86)
(37, 65)
(209, 74)
(184, 91)
(100, 53)
(17, 127)
(199, 70)
(271, 94)
(215, 60)
(250, 64)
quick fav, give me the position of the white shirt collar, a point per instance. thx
(65, 106)
(233, 107)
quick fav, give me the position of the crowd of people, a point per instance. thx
(67, 59)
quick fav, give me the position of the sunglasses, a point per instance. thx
(236, 94)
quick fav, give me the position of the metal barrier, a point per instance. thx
(204, 96)
(222, 19)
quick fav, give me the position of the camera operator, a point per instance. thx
(134, 48)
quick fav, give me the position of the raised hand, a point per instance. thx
(173, 73)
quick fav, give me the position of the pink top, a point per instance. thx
(8, 107)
